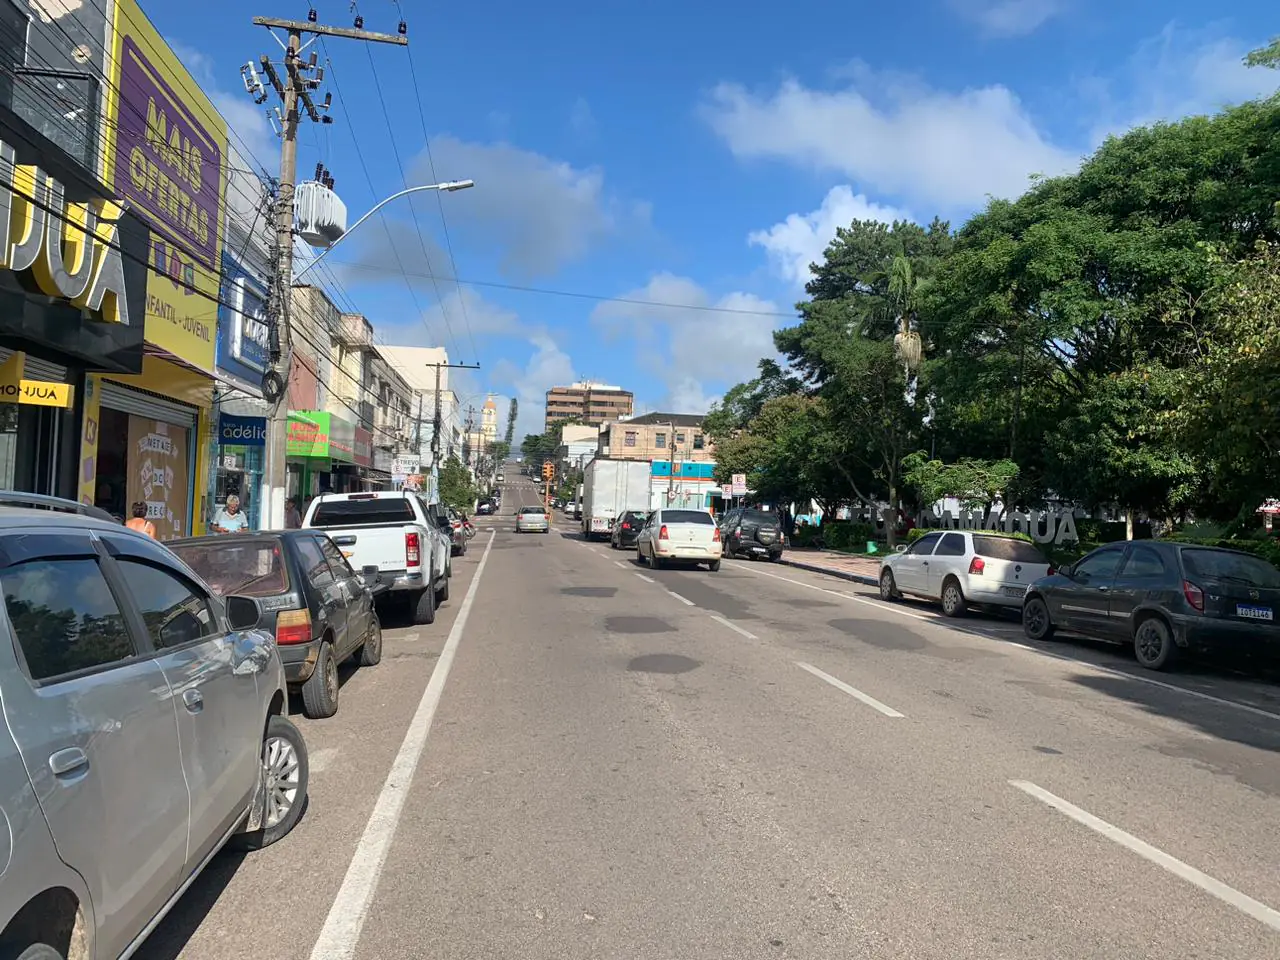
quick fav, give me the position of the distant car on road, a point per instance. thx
(1161, 596)
(961, 567)
(144, 729)
(484, 509)
(318, 608)
(626, 529)
(532, 520)
(672, 536)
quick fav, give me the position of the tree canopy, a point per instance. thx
(1110, 338)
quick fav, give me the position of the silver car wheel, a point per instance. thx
(280, 770)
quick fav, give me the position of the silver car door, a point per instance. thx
(354, 596)
(94, 719)
(219, 717)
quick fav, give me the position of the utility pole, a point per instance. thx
(437, 420)
(293, 88)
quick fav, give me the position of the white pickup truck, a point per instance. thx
(401, 534)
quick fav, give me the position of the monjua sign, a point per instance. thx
(1043, 526)
(71, 249)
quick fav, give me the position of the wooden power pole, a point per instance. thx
(293, 88)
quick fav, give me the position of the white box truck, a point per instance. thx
(609, 489)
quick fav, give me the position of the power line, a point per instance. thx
(579, 295)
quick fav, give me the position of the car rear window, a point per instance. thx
(350, 513)
(1007, 548)
(532, 510)
(761, 517)
(1229, 566)
(687, 516)
(635, 516)
(250, 568)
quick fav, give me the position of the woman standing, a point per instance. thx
(140, 522)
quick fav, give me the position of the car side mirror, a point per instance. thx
(243, 613)
(1066, 570)
(900, 548)
(370, 574)
(445, 523)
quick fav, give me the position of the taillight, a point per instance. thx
(977, 565)
(626, 526)
(293, 626)
(715, 537)
(662, 534)
(412, 555)
(1194, 595)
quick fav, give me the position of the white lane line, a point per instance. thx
(732, 626)
(685, 600)
(1101, 668)
(854, 692)
(1242, 902)
(619, 563)
(341, 931)
(644, 578)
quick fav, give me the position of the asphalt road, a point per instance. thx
(584, 759)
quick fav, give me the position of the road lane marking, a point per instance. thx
(685, 600)
(341, 932)
(619, 563)
(731, 625)
(645, 579)
(1018, 644)
(1229, 895)
(854, 692)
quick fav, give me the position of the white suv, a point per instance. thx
(960, 567)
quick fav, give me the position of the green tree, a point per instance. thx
(513, 411)
(977, 484)
(457, 489)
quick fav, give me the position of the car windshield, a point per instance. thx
(687, 516)
(1007, 548)
(343, 513)
(1231, 567)
(250, 568)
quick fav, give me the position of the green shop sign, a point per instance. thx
(318, 433)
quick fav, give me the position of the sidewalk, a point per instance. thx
(858, 569)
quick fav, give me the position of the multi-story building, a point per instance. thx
(588, 402)
(423, 370)
(393, 400)
(657, 436)
(489, 421)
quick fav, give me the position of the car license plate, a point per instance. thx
(1014, 591)
(758, 550)
(1253, 613)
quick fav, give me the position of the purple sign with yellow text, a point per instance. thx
(168, 164)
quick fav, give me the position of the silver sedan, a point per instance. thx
(532, 520)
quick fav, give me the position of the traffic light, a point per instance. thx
(548, 471)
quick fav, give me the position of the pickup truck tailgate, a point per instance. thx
(380, 546)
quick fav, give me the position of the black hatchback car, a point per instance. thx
(1161, 596)
(321, 610)
(627, 528)
(753, 533)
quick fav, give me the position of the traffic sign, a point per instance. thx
(739, 487)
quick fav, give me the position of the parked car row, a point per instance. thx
(145, 691)
(1160, 597)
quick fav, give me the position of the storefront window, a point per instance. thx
(240, 473)
(148, 461)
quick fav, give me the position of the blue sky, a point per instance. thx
(692, 155)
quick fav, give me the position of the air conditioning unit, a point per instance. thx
(319, 214)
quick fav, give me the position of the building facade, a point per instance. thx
(674, 437)
(588, 402)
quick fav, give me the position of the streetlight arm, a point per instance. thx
(448, 186)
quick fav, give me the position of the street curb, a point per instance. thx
(840, 574)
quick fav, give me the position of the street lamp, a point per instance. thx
(449, 186)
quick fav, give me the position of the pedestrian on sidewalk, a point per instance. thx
(292, 518)
(140, 522)
(230, 519)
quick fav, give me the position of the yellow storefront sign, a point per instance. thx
(166, 158)
(42, 393)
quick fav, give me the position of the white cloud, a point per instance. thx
(801, 238)
(547, 365)
(693, 351)
(446, 324)
(540, 214)
(932, 148)
(1173, 74)
(1008, 18)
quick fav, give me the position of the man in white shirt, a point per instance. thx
(230, 518)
